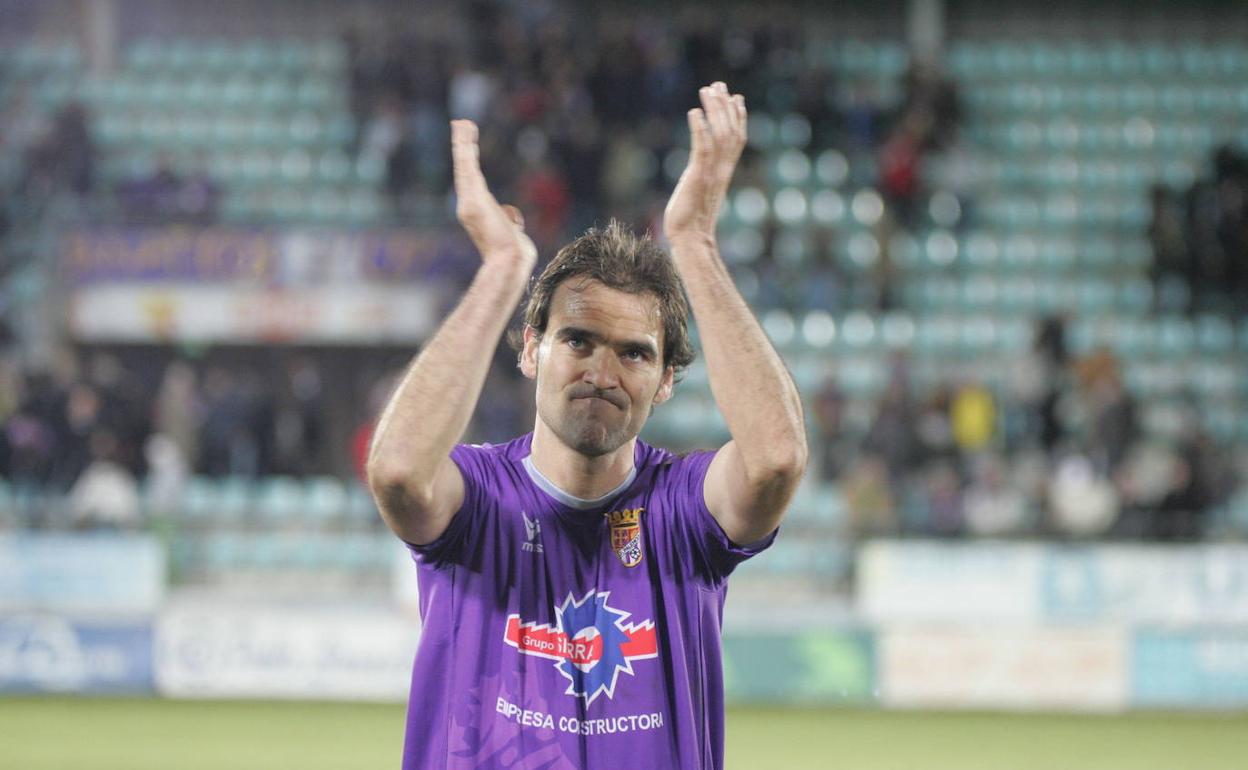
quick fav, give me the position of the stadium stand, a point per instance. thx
(957, 262)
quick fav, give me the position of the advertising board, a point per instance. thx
(1190, 668)
(1082, 669)
(96, 573)
(204, 650)
(817, 667)
(49, 653)
(918, 581)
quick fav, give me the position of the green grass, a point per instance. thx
(145, 734)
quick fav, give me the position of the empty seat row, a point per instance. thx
(271, 93)
(272, 501)
(1098, 100)
(257, 55)
(225, 552)
(1100, 59)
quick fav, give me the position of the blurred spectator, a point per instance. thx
(892, 434)
(928, 92)
(176, 412)
(1114, 423)
(869, 498)
(167, 474)
(934, 426)
(153, 198)
(226, 443)
(900, 160)
(299, 412)
(1200, 249)
(830, 428)
(994, 506)
(63, 157)
(1082, 502)
(166, 197)
(543, 193)
(106, 494)
(973, 414)
(80, 418)
(1167, 238)
(940, 491)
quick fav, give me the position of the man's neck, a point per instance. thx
(574, 473)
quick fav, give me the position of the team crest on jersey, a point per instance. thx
(590, 643)
(626, 535)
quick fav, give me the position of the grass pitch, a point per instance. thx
(41, 733)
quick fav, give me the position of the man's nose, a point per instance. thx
(603, 369)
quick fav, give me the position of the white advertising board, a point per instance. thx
(215, 651)
(401, 313)
(1082, 669)
(918, 581)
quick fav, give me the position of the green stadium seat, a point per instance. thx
(325, 499)
(763, 133)
(279, 499)
(361, 510)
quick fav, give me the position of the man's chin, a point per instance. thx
(594, 440)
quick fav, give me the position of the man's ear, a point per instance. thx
(528, 354)
(665, 387)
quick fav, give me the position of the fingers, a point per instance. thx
(739, 113)
(466, 157)
(726, 116)
(700, 143)
(714, 102)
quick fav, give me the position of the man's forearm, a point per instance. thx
(431, 408)
(752, 388)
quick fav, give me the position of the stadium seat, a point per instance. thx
(279, 500)
(325, 499)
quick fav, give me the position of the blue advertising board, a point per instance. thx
(51, 653)
(1195, 585)
(1190, 668)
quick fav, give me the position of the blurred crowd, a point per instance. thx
(86, 436)
(1060, 452)
(582, 116)
(91, 429)
(581, 120)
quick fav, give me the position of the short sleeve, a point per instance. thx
(452, 545)
(716, 552)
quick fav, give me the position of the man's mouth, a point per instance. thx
(601, 398)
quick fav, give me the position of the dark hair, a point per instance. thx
(619, 260)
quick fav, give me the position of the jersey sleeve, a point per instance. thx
(457, 542)
(715, 554)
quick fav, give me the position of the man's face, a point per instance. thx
(598, 367)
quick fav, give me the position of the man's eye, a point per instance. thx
(576, 343)
(635, 355)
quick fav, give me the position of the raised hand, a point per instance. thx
(718, 131)
(496, 230)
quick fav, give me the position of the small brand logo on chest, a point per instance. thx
(626, 535)
(532, 534)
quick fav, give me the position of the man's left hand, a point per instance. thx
(718, 131)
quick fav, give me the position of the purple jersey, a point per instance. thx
(565, 634)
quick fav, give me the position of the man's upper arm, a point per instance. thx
(747, 509)
(422, 522)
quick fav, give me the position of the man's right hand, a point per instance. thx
(497, 231)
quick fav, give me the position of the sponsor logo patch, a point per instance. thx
(590, 643)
